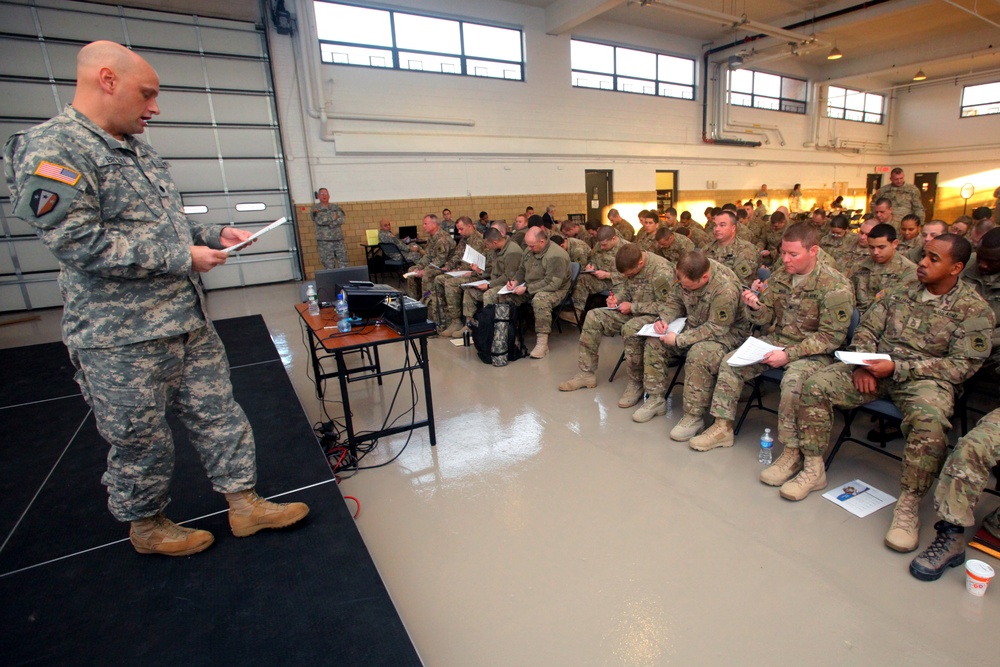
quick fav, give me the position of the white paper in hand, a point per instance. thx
(504, 290)
(476, 283)
(242, 244)
(752, 351)
(674, 327)
(473, 256)
(859, 358)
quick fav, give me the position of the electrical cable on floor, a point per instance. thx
(358, 511)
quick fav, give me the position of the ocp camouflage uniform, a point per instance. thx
(678, 246)
(936, 344)
(578, 251)
(916, 253)
(905, 200)
(836, 245)
(436, 252)
(771, 241)
(645, 291)
(447, 290)
(752, 231)
(852, 256)
(329, 222)
(871, 278)
(822, 257)
(810, 320)
(966, 473)
(504, 265)
(908, 248)
(546, 276)
(699, 236)
(645, 240)
(716, 323)
(988, 287)
(588, 283)
(134, 317)
(625, 230)
(740, 256)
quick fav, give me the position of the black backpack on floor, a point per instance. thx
(497, 334)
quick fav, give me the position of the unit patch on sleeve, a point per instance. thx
(43, 201)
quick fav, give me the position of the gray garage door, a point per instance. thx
(218, 128)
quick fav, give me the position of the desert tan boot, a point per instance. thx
(904, 532)
(633, 394)
(787, 466)
(719, 434)
(653, 407)
(686, 428)
(249, 513)
(541, 349)
(159, 535)
(811, 478)
(581, 380)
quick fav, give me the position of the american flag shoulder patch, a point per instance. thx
(58, 172)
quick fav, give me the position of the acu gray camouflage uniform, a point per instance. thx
(716, 323)
(329, 222)
(134, 317)
(389, 238)
(936, 344)
(810, 320)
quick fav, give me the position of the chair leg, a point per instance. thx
(845, 433)
(621, 359)
(755, 394)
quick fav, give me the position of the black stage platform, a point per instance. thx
(74, 591)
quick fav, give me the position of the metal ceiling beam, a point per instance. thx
(563, 16)
(731, 20)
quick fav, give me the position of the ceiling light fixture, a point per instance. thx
(919, 76)
(834, 54)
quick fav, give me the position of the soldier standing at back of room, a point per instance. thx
(329, 219)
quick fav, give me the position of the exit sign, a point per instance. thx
(883, 170)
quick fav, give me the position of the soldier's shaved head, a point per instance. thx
(115, 88)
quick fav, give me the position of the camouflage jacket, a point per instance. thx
(578, 252)
(645, 240)
(740, 256)
(506, 262)
(836, 245)
(604, 260)
(680, 245)
(852, 256)
(547, 271)
(988, 287)
(905, 200)
(648, 289)
(438, 249)
(518, 237)
(329, 222)
(474, 241)
(809, 319)
(907, 248)
(110, 213)
(870, 280)
(625, 230)
(944, 339)
(713, 312)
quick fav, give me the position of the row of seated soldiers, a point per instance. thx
(937, 321)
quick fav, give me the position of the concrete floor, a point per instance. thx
(549, 529)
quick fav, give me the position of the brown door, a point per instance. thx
(872, 183)
(927, 185)
(599, 193)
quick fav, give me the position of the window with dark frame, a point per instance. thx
(392, 39)
(760, 90)
(981, 100)
(629, 70)
(856, 105)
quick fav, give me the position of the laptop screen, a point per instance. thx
(329, 282)
(408, 231)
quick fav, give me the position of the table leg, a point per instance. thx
(425, 364)
(352, 446)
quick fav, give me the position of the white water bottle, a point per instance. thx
(343, 315)
(766, 443)
(312, 300)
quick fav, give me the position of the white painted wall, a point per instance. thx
(539, 135)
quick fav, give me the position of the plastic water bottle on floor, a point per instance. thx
(343, 316)
(312, 301)
(766, 443)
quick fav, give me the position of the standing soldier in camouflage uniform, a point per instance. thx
(602, 265)
(807, 307)
(883, 270)
(545, 273)
(708, 295)
(635, 302)
(937, 332)
(329, 220)
(645, 238)
(447, 289)
(134, 315)
(505, 258)
(739, 255)
(965, 474)
(904, 198)
(436, 253)
(670, 245)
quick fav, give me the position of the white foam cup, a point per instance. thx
(977, 577)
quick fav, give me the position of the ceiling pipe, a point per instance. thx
(736, 22)
(973, 12)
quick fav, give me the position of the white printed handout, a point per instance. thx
(859, 358)
(473, 256)
(674, 327)
(458, 274)
(255, 236)
(859, 498)
(476, 283)
(504, 290)
(752, 351)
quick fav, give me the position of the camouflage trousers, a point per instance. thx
(602, 322)
(730, 381)
(587, 284)
(333, 254)
(701, 367)
(415, 287)
(471, 299)
(448, 296)
(967, 472)
(541, 303)
(131, 389)
(926, 406)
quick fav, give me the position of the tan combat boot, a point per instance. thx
(786, 467)
(249, 513)
(904, 533)
(581, 380)
(686, 428)
(454, 330)
(633, 394)
(541, 348)
(719, 434)
(811, 478)
(159, 535)
(653, 407)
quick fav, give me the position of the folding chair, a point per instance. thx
(574, 273)
(393, 260)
